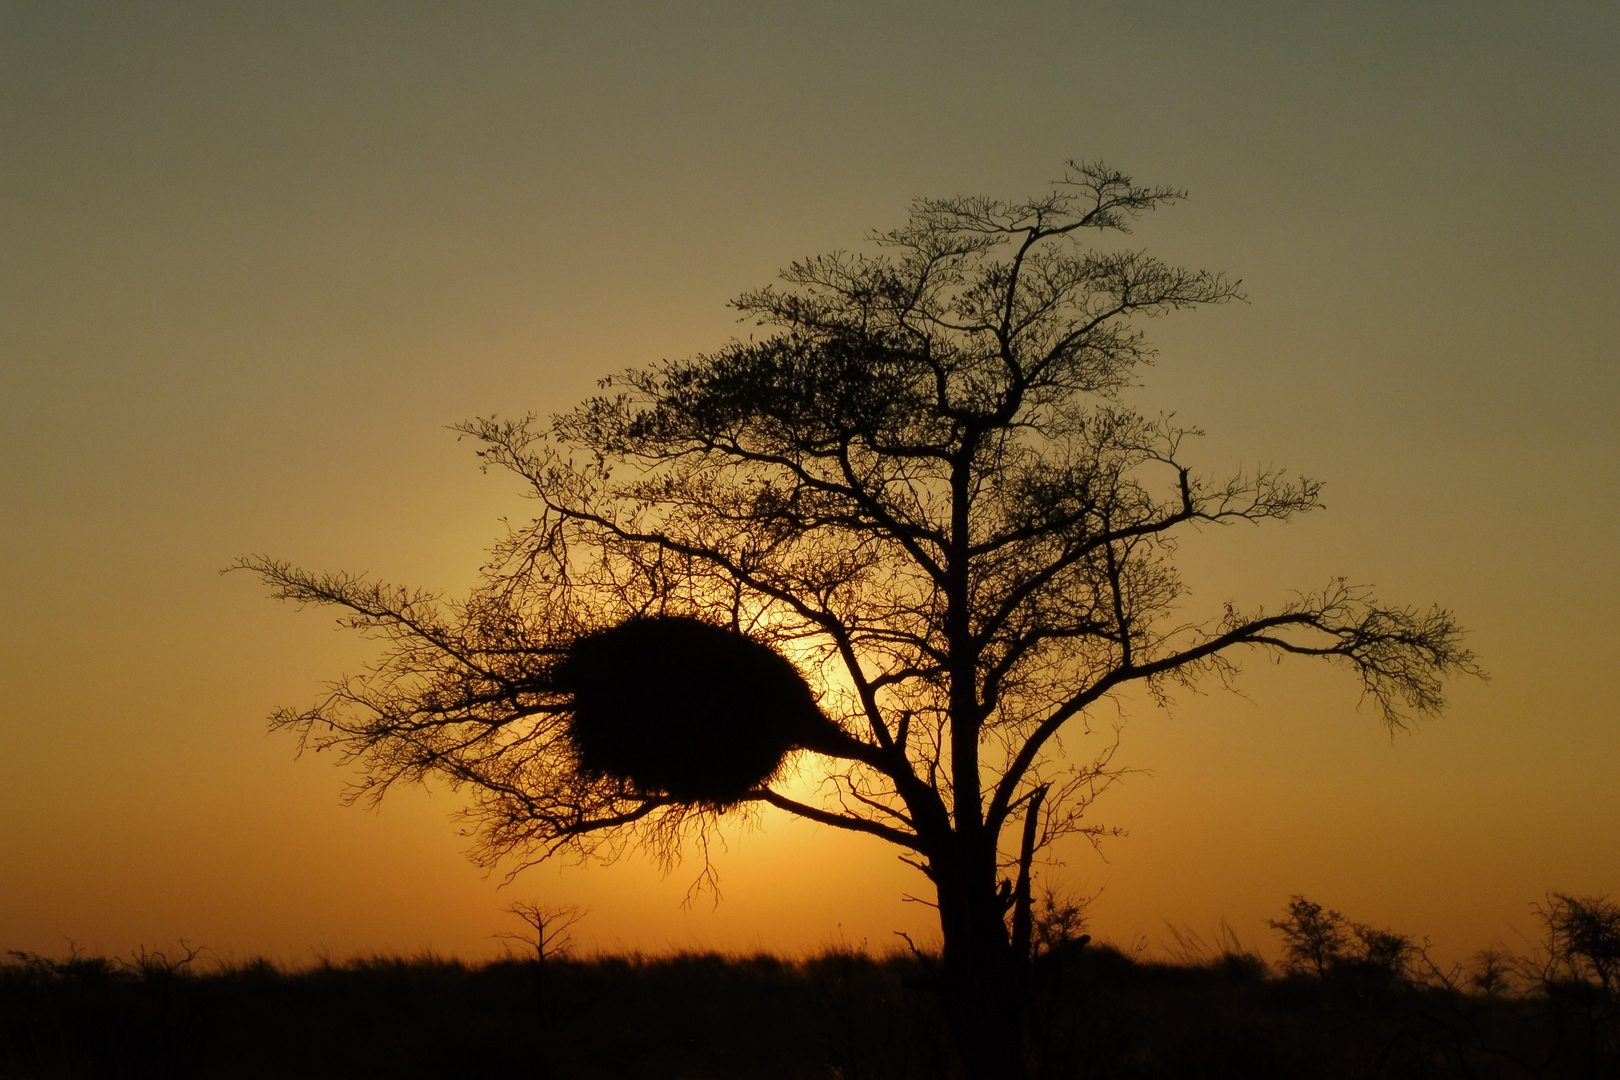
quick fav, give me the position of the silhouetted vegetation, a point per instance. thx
(911, 532)
(1341, 1005)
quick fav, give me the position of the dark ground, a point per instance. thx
(841, 1015)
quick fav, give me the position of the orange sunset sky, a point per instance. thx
(255, 257)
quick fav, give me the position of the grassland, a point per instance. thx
(844, 1015)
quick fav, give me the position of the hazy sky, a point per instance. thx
(255, 257)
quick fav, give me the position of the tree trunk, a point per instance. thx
(981, 984)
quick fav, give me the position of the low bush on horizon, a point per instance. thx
(1347, 1001)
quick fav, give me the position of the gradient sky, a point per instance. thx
(255, 257)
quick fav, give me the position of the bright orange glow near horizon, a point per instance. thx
(254, 260)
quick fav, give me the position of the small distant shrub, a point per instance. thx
(1059, 922)
(1491, 973)
(1320, 941)
(1314, 938)
(1583, 939)
(1243, 967)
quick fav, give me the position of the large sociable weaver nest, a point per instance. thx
(685, 708)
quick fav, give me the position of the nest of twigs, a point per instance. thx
(685, 708)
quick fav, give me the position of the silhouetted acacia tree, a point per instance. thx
(549, 937)
(1319, 941)
(922, 487)
(1583, 941)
